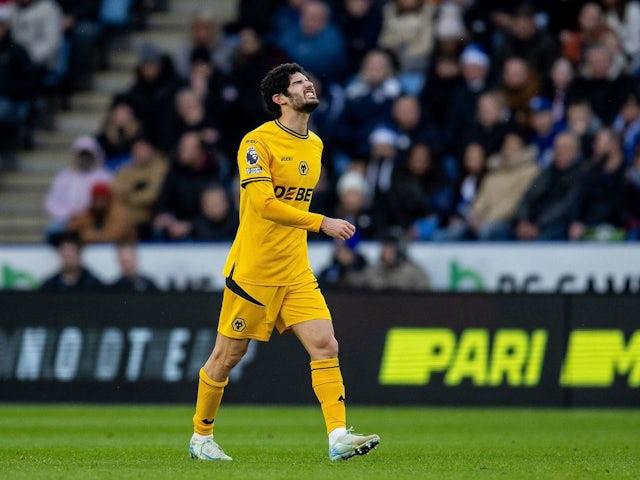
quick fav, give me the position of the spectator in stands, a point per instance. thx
(464, 99)
(545, 210)
(191, 116)
(138, 184)
(201, 71)
(193, 169)
(379, 172)
(523, 39)
(72, 276)
(82, 32)
(346, 267)
(287, 16)
(421, 198)
(591, 28)
(70, 191)
(117, 18)
(474, 171)
(584, 123)
(218, 218)
(623, 18)
(258, 15)
(130, 279)
(316, 42)
(619, 61)
(369, 99)
(493, 121)
(627, 124)
(457, 226)
(120, 130)
(444, 78)
(483, 18)
(37, 26)
(562, 16)
(105, 221)
(632, 197)
(451, 35)
(16, 88)
(406, 115)
(324, 197)
(238, 103)
(513, 170)
(360, 22)
(204, 35)
(394, 270)
(353, 192)
(208, 105)
(408, 32)
(152, 95)
(518, 85)
(556, 85)
(544, 128)
(605, 90)
(598, 212)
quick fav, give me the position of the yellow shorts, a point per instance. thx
(251, 311)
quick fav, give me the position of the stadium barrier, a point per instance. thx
(411, 349)
(512, 267)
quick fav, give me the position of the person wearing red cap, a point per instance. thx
(106, 220)
(70, 191)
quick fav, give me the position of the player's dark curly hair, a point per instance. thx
(277, 81)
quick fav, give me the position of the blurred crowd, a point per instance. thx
(445, 120)
(49, 50)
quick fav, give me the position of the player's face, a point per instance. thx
(302, 94)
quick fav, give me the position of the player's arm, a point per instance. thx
(263, 200)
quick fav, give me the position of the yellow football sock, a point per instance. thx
(326, 380)
(209, 398)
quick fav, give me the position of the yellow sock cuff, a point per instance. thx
(212, 383)
(324, 363)
(325, 371)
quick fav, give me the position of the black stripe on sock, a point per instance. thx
(324, 368)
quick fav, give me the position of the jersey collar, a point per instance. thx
(288, 130)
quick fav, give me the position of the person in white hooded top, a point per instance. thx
(70, 191)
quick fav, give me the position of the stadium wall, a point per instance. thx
(452, 267)
(402, 349)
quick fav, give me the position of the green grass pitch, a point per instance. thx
(150, 442)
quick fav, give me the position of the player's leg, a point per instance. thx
(214, 376)
(304, 311)
(326, 379)
(318, 338)
(242, 317)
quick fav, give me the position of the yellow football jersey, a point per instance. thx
(279, 169)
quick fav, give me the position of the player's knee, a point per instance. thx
(333, 347)
(328, 347)
(227, 358)
(230, 359)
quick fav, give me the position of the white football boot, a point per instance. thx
(349, 444)
(205, 448)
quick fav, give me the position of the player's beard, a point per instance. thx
(302, 105)
(308, 106)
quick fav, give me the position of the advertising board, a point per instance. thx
(411, 349)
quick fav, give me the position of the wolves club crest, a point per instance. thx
(252, 156)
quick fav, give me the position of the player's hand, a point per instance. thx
(337, 228)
